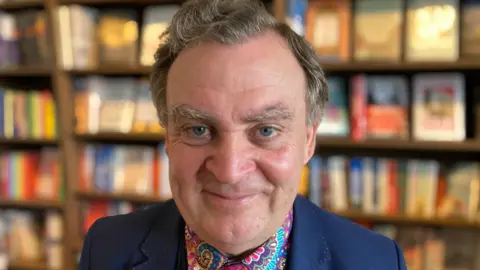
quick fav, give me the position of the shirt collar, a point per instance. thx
(271, 255)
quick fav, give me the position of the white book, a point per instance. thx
(438, 112)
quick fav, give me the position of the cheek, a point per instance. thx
(184, 163)
(282, 167)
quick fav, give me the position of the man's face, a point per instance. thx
(237, 139)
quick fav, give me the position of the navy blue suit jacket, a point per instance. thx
(150, 239)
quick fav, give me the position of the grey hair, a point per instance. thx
(232, 22)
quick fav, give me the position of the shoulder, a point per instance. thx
(349, 243)
(120, 236)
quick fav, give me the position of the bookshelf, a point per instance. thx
(31, 204)
(121, 137)
(22, 265)
(468, 146)
(137, 199)
(22, 5)
(399, 219)
(68, 141)
(463, 65)
(27, 142)
(26, 72)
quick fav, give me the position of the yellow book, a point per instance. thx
(50, 118)
(303, 188)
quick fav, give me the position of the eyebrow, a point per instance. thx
(183, 111)
(276, 112)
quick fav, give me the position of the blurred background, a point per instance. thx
(397, 152)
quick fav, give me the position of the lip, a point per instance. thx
(230, 196)
(228, 202)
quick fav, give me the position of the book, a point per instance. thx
(378, 30)
(335, 120)
(328, 29)
(156, 21)
(438, 111)
(432, 32)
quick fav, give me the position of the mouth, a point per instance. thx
(229, 199)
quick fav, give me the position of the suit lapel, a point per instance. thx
(161, 245)
(309, 250)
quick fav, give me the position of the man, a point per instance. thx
(241, 97)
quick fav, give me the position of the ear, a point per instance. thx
(310, 141)
(165, 139)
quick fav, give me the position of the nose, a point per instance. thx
(231, 159)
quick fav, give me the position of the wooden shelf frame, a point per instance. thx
(353, 215)
(133, 198)
(339, 143)
(113, 71)
(31, 204)
(402, 66)
(356, 67)
(121, 2)
(26, 265)
(27, 142)
(142, 138)
(22, 5)
(467, 146)
(25, 71)
(399, 219)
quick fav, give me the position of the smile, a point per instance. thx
(228, 201)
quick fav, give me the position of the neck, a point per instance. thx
(242, 249)
(241, 255)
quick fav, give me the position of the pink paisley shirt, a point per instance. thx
(272, 255)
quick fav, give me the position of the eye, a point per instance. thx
(198, 130)
(267, 131)
(196, 135)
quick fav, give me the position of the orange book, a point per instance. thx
(156, 174)
(94, 211)
(328, 29)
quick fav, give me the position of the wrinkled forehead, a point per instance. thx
(257, 79)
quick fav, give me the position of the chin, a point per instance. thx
(229, 232)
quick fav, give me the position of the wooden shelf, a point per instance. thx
(402, 219)
(401, 66)
(113, 71)
(21, 4)
(359, 216)
(122, 2)
(27, 142)
(30, 204)
(468, 146)
(121, 137)
(77, 245)
(139, 199)
(25, 72)
(328, 67)
(25, 265)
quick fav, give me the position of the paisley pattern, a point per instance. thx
(272, 255)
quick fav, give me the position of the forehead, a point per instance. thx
(237, 79)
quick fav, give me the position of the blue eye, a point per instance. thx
(267, 131)
(199, 130)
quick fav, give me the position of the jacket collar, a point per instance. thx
(309, 250)
(161, 245)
